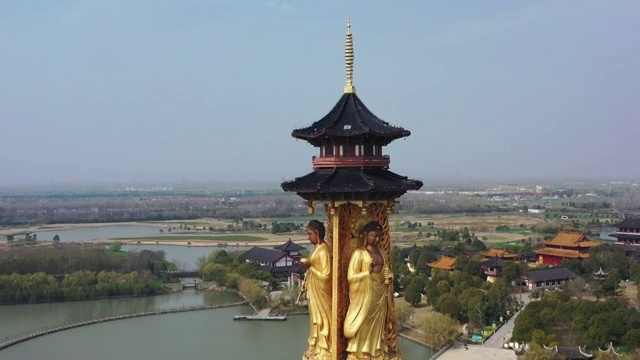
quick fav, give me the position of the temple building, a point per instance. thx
(503, 254)
(444, 263)
(546, 278)
(492, 268)
(281, 261)
(290, 248)
(628, 233)
(566, 245)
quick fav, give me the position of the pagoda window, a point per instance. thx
(328, 150)
(349, 150)
(367, 150)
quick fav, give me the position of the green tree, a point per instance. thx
(511, 271)
(440, 330)
(215, 272)
(596, 289)
(254, 293)
(448, 304)
(10, 239)
(575, 288)
(403, 313)
(412, 294)
(116, 246)
(219, 257)
(56, 238)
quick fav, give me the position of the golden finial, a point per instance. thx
(348, 60)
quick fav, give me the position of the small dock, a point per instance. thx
(262, 315)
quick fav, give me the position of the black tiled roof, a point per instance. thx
(630, 223)
(351, 183)
(407, 251)
(557, 273)
(571, 353)
(438, 254)
(289, 246)
(493, 262)
(472, 253)
(627, 236)
(282, 270)
(348, 118)
(262, 254)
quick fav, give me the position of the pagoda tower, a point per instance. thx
(351, 179)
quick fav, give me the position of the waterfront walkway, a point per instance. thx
(477, 352)
(18, 338)
(493, 347)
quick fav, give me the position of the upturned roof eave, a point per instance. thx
(300, 134)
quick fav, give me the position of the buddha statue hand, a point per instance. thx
(305, 262)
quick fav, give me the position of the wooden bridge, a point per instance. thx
(18, 338)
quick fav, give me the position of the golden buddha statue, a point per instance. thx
(317, 285)
(370, 295)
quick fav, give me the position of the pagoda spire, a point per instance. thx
(348, 59)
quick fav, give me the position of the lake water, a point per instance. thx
(605, 232)
(101, 233)
(202, 334)
(185, 256)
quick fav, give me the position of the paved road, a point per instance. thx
(476, 352)
(503, 334)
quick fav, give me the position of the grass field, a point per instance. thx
(236, 238)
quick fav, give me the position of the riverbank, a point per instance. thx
(201, 243)
(64, 227)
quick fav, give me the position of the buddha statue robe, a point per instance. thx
(368, 315)
(318, 286)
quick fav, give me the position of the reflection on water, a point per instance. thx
(19, 318)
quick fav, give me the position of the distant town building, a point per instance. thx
(568, 245)
(510, 190)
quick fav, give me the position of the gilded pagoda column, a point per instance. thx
(344, 226)
(341, 216)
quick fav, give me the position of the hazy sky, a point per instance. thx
(151, 90)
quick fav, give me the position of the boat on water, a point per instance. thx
(263, 318)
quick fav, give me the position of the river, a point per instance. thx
(202, 334)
